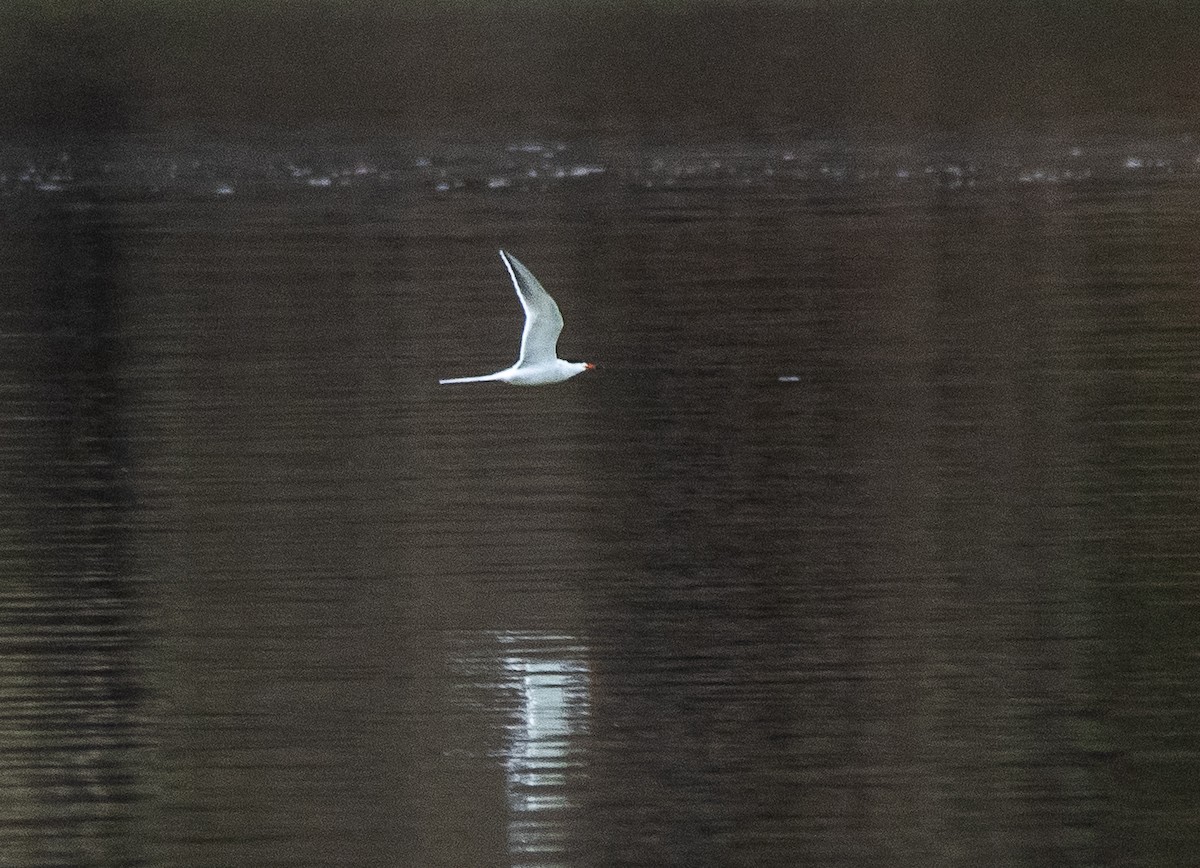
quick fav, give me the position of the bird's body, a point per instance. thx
(538, 363)
(538, 375)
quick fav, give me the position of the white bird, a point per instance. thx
(538, 363)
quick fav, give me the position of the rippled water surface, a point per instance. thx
(872, 540)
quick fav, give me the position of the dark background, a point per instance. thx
(89, 67)
(270, 594)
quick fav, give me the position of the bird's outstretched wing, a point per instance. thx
(543, 321)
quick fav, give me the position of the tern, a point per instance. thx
(538, 363)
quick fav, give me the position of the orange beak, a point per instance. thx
(589, 366)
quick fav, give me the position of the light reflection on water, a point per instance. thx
(541, 681)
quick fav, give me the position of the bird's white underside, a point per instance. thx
(538, 362)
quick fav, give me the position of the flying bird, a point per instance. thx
(538, 363)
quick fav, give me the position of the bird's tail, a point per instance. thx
(485, 378)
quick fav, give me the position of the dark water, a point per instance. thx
(871, 541)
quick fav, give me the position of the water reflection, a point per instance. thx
(901, 608)
(536, 685)
(71, 608)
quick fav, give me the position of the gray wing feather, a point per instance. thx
(543, 321)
